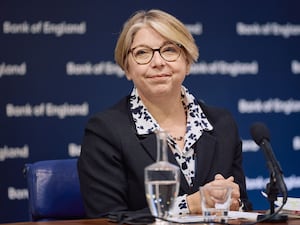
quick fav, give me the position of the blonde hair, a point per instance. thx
(165, 24)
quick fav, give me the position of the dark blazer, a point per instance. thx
(113, 157)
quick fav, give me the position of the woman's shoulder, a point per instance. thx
(213, 110)
(118, 113)
(216, 114)
(119, 108)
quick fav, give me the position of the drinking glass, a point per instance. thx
(215, 202)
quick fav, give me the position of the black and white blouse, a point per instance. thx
(196, 124)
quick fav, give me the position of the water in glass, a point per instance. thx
(161, 180)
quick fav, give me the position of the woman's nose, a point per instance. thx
(157, 59)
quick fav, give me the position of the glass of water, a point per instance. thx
(215, 202)
(161, 180)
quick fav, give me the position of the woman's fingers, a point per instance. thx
(235, 204)
(235, 194)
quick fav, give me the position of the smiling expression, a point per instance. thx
(159, 77)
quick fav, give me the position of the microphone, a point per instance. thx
(261, 135)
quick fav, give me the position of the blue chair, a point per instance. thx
(54, 191)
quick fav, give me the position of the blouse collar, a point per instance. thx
(197, 121)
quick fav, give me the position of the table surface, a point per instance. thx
(107, 222)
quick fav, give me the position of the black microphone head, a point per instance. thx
(259, 131)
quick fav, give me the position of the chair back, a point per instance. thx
(54, 191)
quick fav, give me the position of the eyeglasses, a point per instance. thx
(143, 54)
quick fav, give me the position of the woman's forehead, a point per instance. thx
(148, 36)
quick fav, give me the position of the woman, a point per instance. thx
(156, 51)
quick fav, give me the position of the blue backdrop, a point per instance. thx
(57, 68)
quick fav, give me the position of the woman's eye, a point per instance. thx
(141, 52)
(170, 49)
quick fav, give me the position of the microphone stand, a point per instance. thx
(272, 192)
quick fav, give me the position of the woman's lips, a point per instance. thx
(159, 75)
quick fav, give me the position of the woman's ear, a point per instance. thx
(127, 73)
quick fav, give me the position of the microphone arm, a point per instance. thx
(276, 174)
(261, 136)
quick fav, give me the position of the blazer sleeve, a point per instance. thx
(99, 161)
(238, 173)
(229, 143)
(237, 168)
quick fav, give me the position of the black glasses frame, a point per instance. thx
(156, 50)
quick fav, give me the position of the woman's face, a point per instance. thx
(158, 78)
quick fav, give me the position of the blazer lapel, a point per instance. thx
(183, 183)
(149, 144)
(204, 150)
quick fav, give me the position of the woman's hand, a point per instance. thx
(194, 200)
(235, 194)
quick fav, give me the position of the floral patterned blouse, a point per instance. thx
(196, 124)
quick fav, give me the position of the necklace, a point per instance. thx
(180, 138)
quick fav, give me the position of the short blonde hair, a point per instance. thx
(165, 24)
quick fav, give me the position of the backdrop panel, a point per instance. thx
(57, 69)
